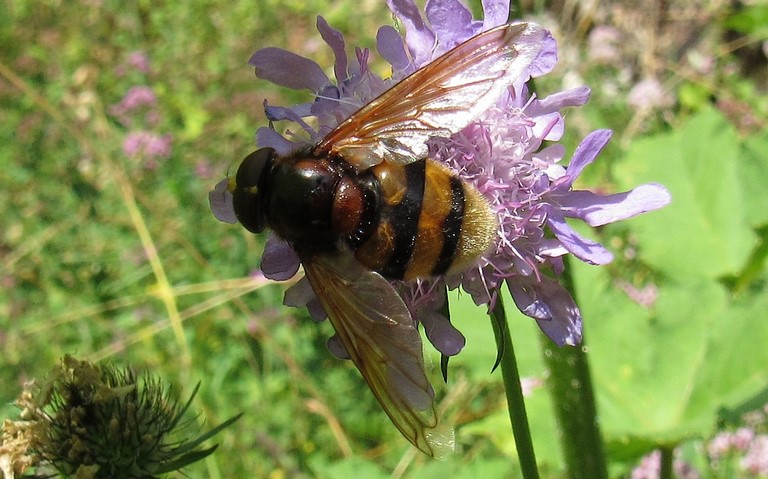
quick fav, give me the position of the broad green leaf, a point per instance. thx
(468, 467)
(750, 20)
(754, 173)
(704, 232)
(354, 466)
(663, 373)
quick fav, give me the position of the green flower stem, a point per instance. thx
(514, 391)
(667, 458)
(570, 386)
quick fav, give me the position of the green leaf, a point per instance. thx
(734, 416)
(662, 374)
(704, 232)
(348, 467)
(694, 96)
(749, 20)
(753, 174)
(459, 467)
(187, 446)
(185, 460)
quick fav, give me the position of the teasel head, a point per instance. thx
(100, 421)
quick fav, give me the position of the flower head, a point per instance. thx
(101, 422)
(509, 153)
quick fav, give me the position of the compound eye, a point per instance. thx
(246, 198)
(252, 167)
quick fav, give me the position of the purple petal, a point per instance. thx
(298, 295)
(336, 347)
(279, 262)
(550, 305)
(587, 151)
(441, 333)
(390, 46)
(551, 154)
(585, 249)
(335, 40)
(327, 101)
(287, 69)
(547, 58)
(551, 248)
(555, 102)
(549, 127)
(294, 113)
(474, 284)
(495, 13)
(268, 137)
(420, 38)
(316, 310)
(301, 295)
(220, 199)
(597, 210)
(451, 21)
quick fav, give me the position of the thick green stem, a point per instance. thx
(666, 461)
(570, 386)
(514, 391)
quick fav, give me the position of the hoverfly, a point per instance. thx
(366, 206)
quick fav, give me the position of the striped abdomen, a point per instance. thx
(412, 221)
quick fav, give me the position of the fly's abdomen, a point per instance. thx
(428, 222)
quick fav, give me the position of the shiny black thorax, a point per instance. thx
(296, 196)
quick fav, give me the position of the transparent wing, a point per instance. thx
(378, 332)
(437, 100)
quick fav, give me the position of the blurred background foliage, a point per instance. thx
(118, 117)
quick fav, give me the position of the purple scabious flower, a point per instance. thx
(510, 154)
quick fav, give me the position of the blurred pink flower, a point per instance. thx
(147, 144)
(139, 60)
(603, 45)
(649, 94)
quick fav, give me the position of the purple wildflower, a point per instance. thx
(509, 154)
(136, 100)
(649, 94)
(603, 45)
(750, 447)
(150, 145)
(755, 460)
(650, 467)
(136, 61)
(139, 60)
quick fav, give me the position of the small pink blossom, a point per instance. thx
(603, 45)
(147, 144)
(139, 61)
(649, 94)
(755, 460)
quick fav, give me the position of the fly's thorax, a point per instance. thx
(298, 202)
(429, 223)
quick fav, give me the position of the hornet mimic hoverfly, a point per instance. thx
(366, 206)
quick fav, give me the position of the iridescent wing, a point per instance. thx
(437, 100)
(378, 332)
